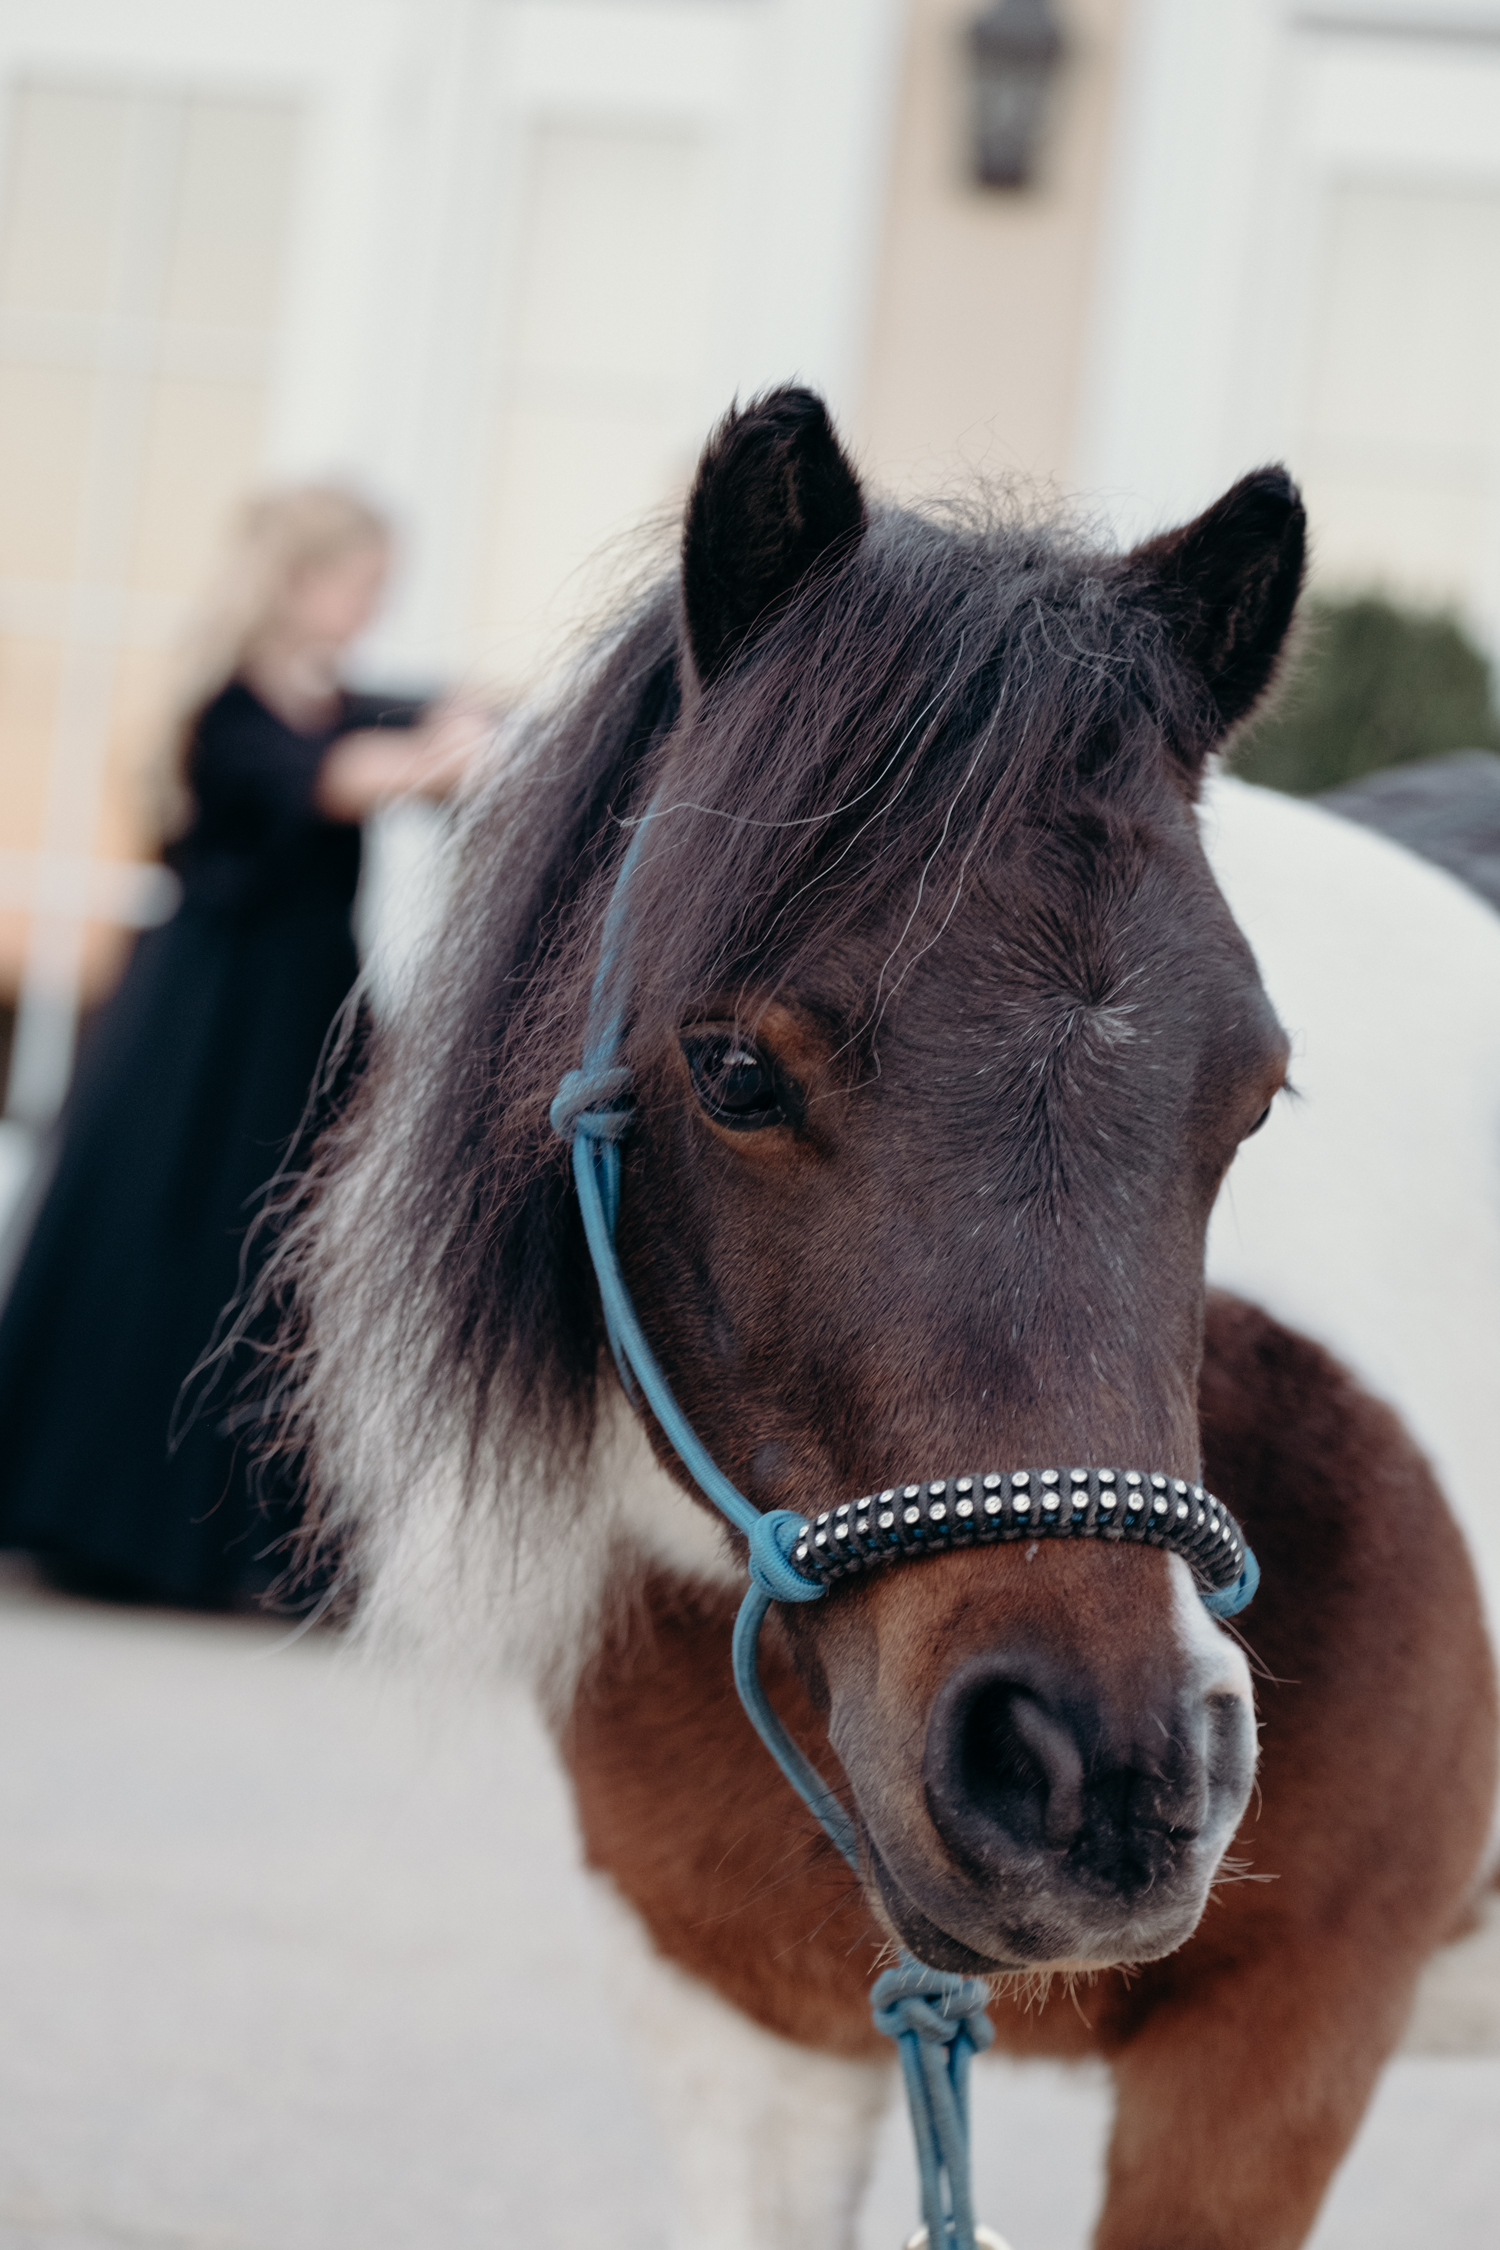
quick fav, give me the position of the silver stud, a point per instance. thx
(821, 1540)
(936, 1512)
(843, 1507)
(965, 1484)
(1050, 1501)
(911, 1515)
(964, 1508)
(1197, 1492)
(888, 1496)
(992, 1483)
(1224, 1534)
(841, 1531)
(1182, 1509)
(993, 1504)
(1199, 1523)
(1160, 1483)
(910, 1491)
(802, 1554)
(1108, 1499)
(1049, 1476)
(1106, 1476)
(886, 1520)
(937, 1490)
(1020, 1480)
(823, 1518)
(1213, 1523)
(1132, 1476)
(1020, 1503)
(862, 1526)
(1158, 1506)
(1178, 1485)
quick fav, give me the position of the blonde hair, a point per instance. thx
(271, 541)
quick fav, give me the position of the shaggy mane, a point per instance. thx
(949, 682)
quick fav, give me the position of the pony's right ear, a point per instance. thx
(1226, 585)
(774, 498)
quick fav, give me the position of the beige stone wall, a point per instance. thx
(983, 294)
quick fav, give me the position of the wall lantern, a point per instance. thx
(1015, 49)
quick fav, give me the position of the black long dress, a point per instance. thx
(190, 1091)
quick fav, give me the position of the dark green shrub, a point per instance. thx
(1373, 686)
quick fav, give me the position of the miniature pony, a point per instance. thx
(942, 1039)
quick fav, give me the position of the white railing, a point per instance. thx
(62, 893)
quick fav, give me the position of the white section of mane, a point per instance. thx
(458, 1586)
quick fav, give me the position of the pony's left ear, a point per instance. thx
(774, 498)
(1227, 585)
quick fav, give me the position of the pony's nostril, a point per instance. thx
(1019, 1766)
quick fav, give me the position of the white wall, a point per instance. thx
(1302, 261)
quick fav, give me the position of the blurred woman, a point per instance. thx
(195, 1079)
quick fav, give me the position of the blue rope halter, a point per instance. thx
(936, 2018)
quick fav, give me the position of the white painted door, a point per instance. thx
(683, 202)
(1306, 266)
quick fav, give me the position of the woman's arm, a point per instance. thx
(365, 770)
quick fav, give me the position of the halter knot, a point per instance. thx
(934, 2004)
(583, 1105)
(1228, 1601)
(939, 2024)
(771, 1566)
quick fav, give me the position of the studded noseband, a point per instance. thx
(1142, 1507)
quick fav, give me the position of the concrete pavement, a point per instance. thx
(286, 1965)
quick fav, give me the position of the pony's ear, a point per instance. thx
(1227, 584)
(774, 497)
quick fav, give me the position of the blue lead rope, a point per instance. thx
(937, 2020)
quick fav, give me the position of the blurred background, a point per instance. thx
(500, 264)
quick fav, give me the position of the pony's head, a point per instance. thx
(940, 1039)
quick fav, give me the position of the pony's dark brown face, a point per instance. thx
(966, 1231)
(931, 1196)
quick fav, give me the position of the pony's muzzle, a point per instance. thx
(1025, 1769)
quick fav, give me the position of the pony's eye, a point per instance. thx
(734, 1082)
(1255, 1128)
